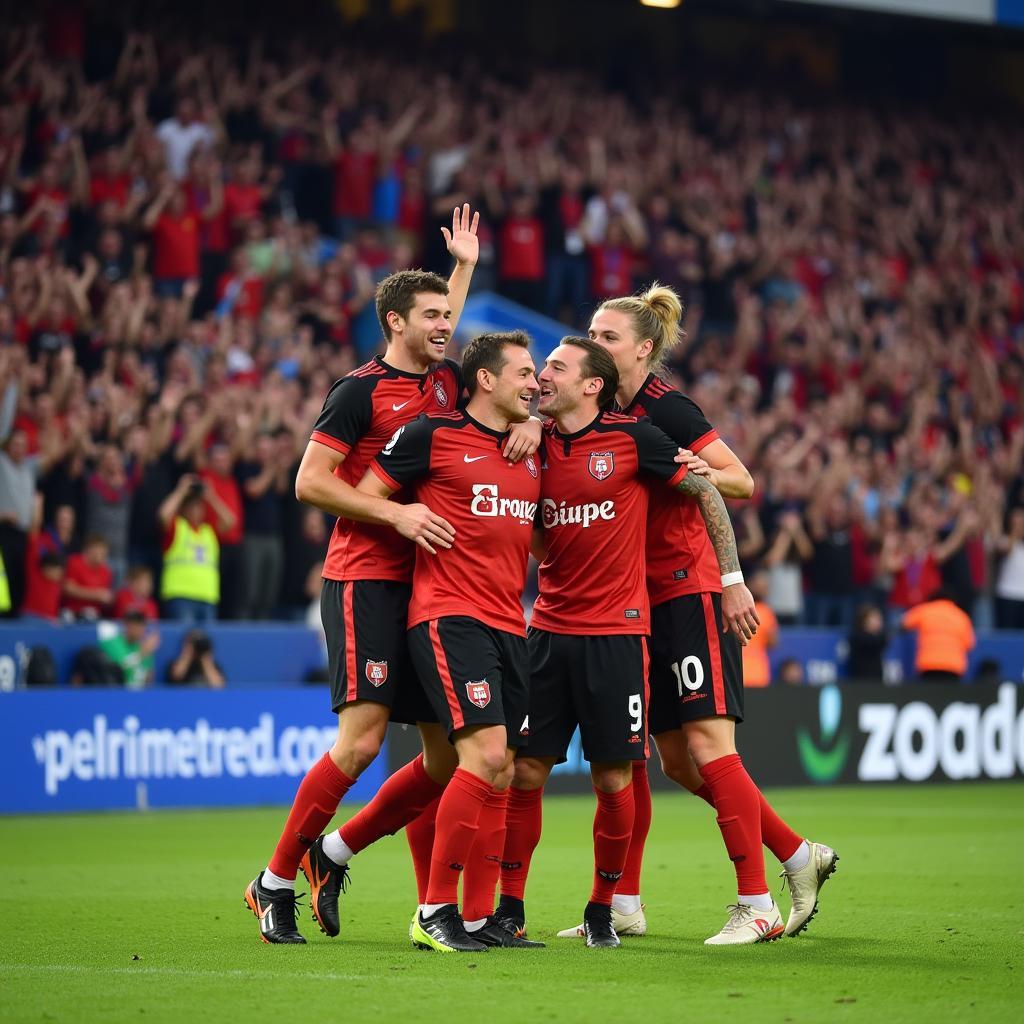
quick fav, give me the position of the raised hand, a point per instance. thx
(462, 241)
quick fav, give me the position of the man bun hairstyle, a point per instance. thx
(397, 293)
(487, 352)
(656, 314)
(597, 363)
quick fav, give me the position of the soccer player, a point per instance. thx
(467, 631)
(367, 578)
(696, 670)
(588, 653)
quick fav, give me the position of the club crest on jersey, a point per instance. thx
(440, 394)
(377, 672)
(531, 466)
(602, 465)
(479, 693)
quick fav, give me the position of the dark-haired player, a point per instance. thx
(467, 632)
(588, 654)
(367, 577)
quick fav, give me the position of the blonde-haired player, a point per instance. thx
(698, 621)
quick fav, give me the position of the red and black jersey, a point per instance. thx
(594, 512)
(455, 467)
(361, 412)
(680, 557)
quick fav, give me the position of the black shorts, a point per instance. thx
(596, 682)
(472, 673)
(696, 670)
(365, 622)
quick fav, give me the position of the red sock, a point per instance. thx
(402, 798)
(484, 864)
(705, 794)
(630, 881)
(419, 834)
(776, 834)
(523, 821)
(737, 802)
(458, 817)
(613, 827)
(314, 805)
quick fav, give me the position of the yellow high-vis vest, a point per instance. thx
(5, 587)
(191, 564)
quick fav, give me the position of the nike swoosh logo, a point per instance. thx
(476, 458)
(395, 408)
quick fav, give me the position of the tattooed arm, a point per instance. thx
(737, 602)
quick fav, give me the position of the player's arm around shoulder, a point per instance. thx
(722, 467)
(523, 439)
(704, 452)
(316, 484)
(404, 460)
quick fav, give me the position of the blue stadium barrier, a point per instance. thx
(250, 654)
(823, 654)
(79, 750)
(280, 654)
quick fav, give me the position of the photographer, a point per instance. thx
(190, 587)
(195, 665)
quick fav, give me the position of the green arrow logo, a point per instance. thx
(825, 763)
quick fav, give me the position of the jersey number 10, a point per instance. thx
(689, 673)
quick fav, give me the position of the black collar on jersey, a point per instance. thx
(579, 433)
(421, 377)
(499, 435)
(629, 405)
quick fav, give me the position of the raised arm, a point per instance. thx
(171, 505)
(464, 245)
(737, 602)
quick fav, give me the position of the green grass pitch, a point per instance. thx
(139, 917)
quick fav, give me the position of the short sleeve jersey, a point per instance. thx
(454, 466)
(680, 556)
(361, 412)
(593, 509)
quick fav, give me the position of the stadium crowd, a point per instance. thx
(190, 239)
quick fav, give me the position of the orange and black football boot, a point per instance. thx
(327, 881)
(275, 911)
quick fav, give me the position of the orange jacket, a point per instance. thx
(944, 636)
(756, 669)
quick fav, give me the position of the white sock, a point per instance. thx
(272, 881)
(431, 908)
(337, 849)
(625, 904)
(475, 926)
(799, 859)
(759, 901)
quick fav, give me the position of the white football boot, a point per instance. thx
(805, 884)
(747, 925)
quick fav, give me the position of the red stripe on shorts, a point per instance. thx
(714, 653)
(446, 677)
(352, 692)
(647, 696)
